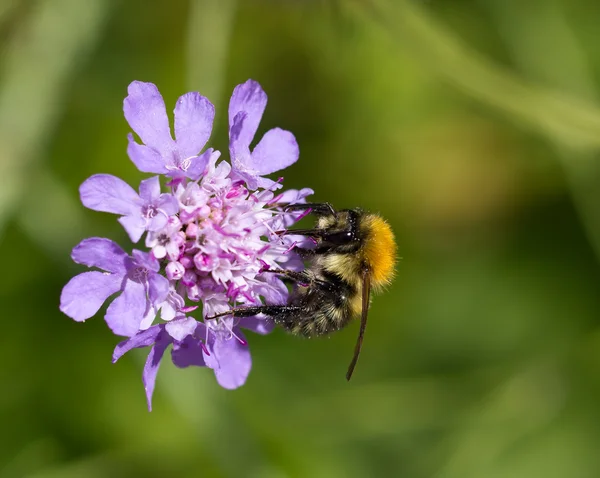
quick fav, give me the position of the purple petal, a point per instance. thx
(187, 353)
(126, 312)
(295, 196)
(151, 367)
(250, 98)
(233, 362)
(145, 159)
(199, 163)
(102, 253)
(179, 329)
(168, 204)
(158, 288)
(85, 293)
(236, 127)
(250, 179)
(134, 226)
(260, 326)
(145, 112)
(150, 189)
(107, 193)
(143, 339)
(145, 260)
(157, 222)
(276, 150)
(194, 116)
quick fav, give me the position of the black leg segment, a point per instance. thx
(320, 209)
(276, 312)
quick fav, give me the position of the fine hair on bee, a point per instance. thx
(354, 252)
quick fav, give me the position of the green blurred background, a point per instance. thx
(472, 125)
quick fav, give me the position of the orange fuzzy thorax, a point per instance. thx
(379, 250)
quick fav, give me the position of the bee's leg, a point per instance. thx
(277, 312)
(300, 277)
(320, 209)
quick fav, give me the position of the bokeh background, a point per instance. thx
(472, 125)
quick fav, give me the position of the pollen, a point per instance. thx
(380, 250)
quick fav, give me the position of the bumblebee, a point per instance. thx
(354, 252)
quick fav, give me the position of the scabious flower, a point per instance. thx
(212, 236)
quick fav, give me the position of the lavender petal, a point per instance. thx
(199, 163)
(188, 353)
(233, 362)
(102, 253)
(260, 326)
(134, 226)
(145, 112)
(126, 312)
(107, 193)
(151, 367)
(145, 260)
(146, 159)
(158, 288)
(180, 328)
(150, 189)
(276, 150)
(144, 338)
(85, 293)
(168, 204)
(250, 98)
(194, 116)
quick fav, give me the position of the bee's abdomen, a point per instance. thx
(320, 317)
(320, 308)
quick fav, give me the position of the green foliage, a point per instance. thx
(472, 125)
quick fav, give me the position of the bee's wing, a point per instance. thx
(366, 293)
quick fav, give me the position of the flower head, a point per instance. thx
(212, 236)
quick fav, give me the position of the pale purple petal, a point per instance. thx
(107, 193)
(143, 339)
(188, 353)
(150, 189)
(233, 362)
(248, 97)
(168, 204)
(179, 329)
(199, 163)
(149, 317)
(194, 116)
(125, 314)
(236, 126)
(145, 260)
(145, 159)
(261, 326)
(102, 253)
(276, 150)
(294, 196)
(152, 365)
(134, 226)
(158, 222)
(145, 112)
(251, 180)
(85, 293)
(158, 288)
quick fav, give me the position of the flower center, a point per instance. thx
(149, 211)
(139, 274)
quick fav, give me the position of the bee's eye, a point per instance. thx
(339, 238)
